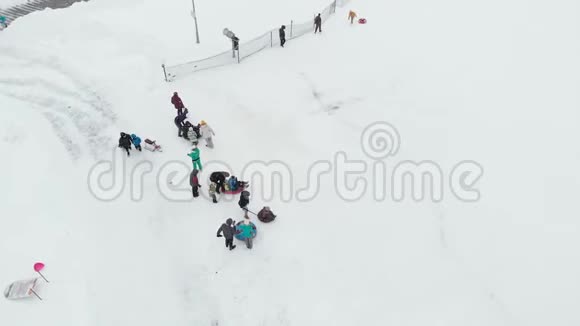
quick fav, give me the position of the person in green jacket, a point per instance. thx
(195, 159)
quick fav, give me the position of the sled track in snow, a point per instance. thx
(74, 109)
(14, 12)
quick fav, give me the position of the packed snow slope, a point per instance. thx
(495, 82)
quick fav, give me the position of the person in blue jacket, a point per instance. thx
(136, 141)
(3, 22)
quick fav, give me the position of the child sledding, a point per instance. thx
(233, 186)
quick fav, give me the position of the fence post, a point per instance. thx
(271, 40)
(164, 72)
(291, 27)
(238, 56)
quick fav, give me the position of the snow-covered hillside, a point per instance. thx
(493, 83)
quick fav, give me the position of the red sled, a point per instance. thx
(362, 21)
(235, 192)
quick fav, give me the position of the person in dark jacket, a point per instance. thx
(194, 183)
(179, 123)
(229, 231)
(282, 31)
(244, 200)
(235, 43)
(219, 178)
(125, 142)
(318, 24)
(177, 103)
(185, 130)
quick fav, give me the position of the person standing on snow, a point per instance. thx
(192, 134)
(3, 23)
(229, 231)
(185, 129)
(177, 103)
(244, 200)
(195, 159)
(282, 32)
(178, 120)
(352, 15)
(212, 191)
(136, 141)
(125, 142)
(194, 183)
(318, 24)
(235, 43)
(219, 178)
(206, 133)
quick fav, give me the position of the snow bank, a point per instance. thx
(11, 3)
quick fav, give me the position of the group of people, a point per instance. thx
(126, 140)
(220, 181)
(317, 26)
(187, 130)
(245, 229)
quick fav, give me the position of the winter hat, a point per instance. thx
(174, 93)
(202, 122)
(245, 193)
(122, 134)
(195, 172)
(229, 221)
(133, 136)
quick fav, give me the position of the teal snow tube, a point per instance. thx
(245, 233)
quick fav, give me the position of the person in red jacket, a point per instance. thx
(178, 103)
(194, 183)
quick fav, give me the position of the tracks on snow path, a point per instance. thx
(77, 113)
(12, 13)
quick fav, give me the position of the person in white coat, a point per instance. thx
(206, 133)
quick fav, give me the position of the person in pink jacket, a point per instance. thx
(177, 103)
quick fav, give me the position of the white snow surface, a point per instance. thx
(495, 82)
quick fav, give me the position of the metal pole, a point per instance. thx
(36, 294)
(271, 40)
(291, 27)
(164, 72)
(195, 20)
